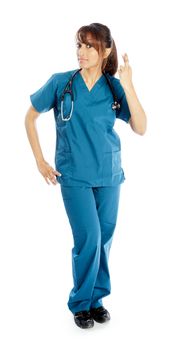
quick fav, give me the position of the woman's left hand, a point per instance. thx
(125, 72)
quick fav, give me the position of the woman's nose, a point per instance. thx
(81, 52)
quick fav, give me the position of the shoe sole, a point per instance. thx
(102, 321)
(90, 325)
(80, 326)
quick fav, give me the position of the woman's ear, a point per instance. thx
(107, 52)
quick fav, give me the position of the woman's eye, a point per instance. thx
(78, 45)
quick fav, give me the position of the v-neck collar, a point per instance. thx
(95, 87)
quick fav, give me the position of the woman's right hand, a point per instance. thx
(48, 172)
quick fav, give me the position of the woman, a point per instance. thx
(88, 159)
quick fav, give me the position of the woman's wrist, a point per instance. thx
(40, 161)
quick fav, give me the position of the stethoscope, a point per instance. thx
(68, 90)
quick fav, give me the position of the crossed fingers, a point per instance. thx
(126, 62)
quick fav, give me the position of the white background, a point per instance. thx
(37, 40)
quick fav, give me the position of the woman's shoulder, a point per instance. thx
(113, 78)
(63, 76)
(117, 85)
(60, 79)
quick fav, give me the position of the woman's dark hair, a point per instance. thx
(101, 39)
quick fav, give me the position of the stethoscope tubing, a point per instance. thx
(68, 90)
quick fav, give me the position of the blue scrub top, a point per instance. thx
(88, 149)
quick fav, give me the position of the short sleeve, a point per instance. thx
(123, 112)
(44, 98)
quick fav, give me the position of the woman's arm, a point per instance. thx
(30, 124)
(138, 120)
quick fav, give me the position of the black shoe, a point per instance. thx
(100, 314)
(83, 319)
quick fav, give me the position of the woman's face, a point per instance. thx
(87, 55)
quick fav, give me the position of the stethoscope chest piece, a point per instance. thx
(115, 105)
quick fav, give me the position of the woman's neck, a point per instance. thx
(91, 75)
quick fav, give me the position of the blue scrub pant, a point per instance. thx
(92, 214)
